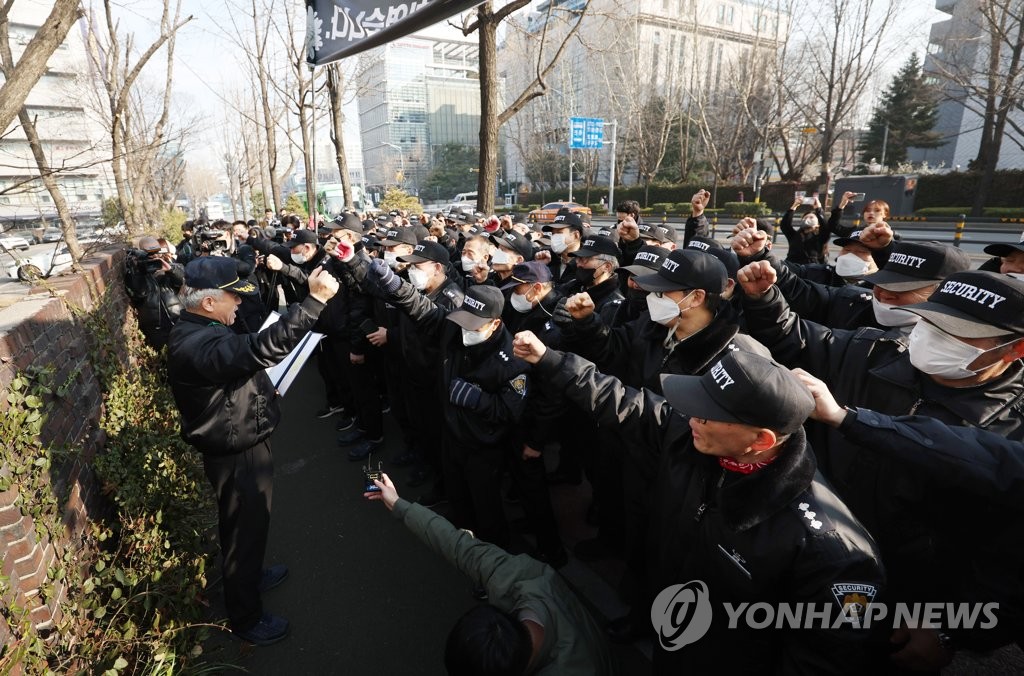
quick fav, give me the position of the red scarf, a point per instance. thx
(744, 467)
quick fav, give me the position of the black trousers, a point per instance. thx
(243, 484)
(529, 477)
(472, 478)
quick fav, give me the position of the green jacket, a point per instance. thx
(573, 643)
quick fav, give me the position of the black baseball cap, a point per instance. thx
(975, 304)
(420, 231)
(596, 245)
(527, 273)
(651, 231)
(648, 258)
(685, 269)
(565, 220)
(713, 248)
(514, 241)
(742, 388)
(427, 251)
(303, 237)
(852, 238)
(351, 222)
(218, 272)
(1005, 249)
(396, 236)
(481, 304)
(914, 265)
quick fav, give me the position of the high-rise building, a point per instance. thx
(958, 54)
(71, 138)
(416, 95)
(624, 55)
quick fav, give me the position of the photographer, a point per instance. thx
(218, 240)
(152, 283)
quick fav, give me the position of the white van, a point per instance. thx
(465, 197)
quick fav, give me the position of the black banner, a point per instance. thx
(339, 28)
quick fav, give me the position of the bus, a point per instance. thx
(330, 200)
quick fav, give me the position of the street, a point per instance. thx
(364, 595)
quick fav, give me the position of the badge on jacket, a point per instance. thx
(519, 385)
(853, 598)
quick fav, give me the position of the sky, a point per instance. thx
(206, 70)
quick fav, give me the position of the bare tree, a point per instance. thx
(111, 54)
(485, 23)
(30, 67)
(336, 91)
(840, 57)
(984, 64)
(46, 174)
(200, 185)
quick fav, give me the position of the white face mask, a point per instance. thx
(468, 264)
(471, 338)
(810, 223)
(851, 265)
(419, 278)
(558, 243)
(521, 303)
(1016, 275)
(501, 257)
(937, 353)
(299, 258)
(889, 315)
(663, 309)
(391, 258)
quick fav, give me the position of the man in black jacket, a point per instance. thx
(229, 409)
(740, 510)
(482, 390)
(962, 365)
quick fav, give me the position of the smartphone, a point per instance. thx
(807, 201)
(858, 197)
(800, 194)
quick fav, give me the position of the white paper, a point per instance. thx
(283, 373)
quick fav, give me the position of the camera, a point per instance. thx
(145, 261)
(210, 240)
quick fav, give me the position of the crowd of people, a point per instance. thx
(783, 431)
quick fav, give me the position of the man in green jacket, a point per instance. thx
(534, 623)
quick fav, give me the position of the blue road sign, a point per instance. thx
(586, 133)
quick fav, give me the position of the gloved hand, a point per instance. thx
(464, 394)
(384, 276)
(561, 315)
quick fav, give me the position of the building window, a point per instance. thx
(725, 14)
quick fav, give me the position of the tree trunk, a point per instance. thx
(32, 64)
(488, 32)
(335, 90)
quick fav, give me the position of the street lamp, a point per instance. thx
(401, 157)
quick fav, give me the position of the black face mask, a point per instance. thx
(585, 276)
(636, 295)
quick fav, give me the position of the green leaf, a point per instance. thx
(120, 663)
(119, 575)
(32, 401)
(100, 566)
(99, 613)
(115, 594)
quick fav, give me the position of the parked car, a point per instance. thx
(14, 242)
(40, 265)
(49, 236)
(547, 213)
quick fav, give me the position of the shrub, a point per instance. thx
(662, 207)
(747, 208)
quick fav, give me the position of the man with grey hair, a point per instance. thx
(229, 409)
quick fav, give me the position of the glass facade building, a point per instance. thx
(417, 94)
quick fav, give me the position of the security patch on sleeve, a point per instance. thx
(853, 598)
(519, 385)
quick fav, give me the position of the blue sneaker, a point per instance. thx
(273, 576)
(360, 451)
(268, 631)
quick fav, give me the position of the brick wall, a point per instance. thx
(40, 329)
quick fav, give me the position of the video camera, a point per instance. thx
(145, 261)
(209, 240)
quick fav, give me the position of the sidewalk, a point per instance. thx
(364, 595)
